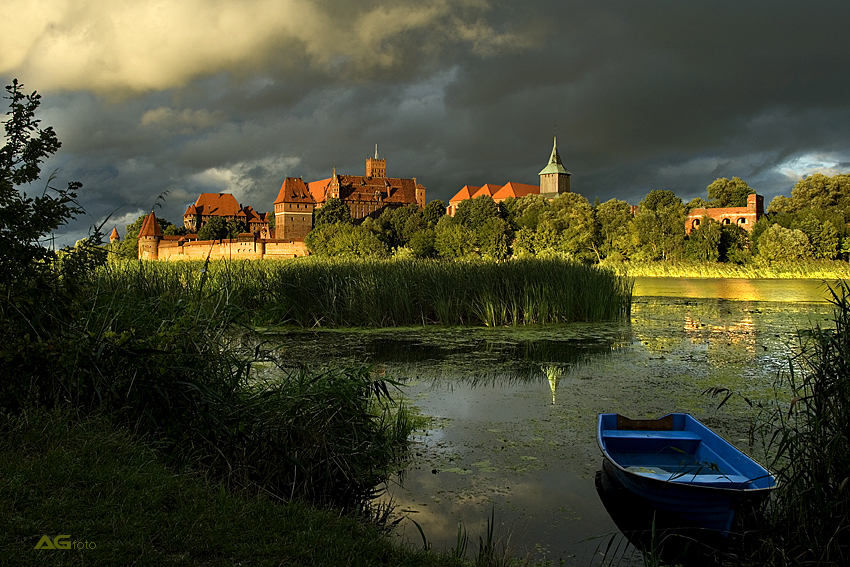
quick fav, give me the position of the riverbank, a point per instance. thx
(824, 270)
(106, 496)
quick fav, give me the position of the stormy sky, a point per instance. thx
(186, 96)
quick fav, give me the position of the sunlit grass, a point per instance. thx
(820, 270)
(373, 293)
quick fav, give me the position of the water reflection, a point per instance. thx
(783, 290)
(512, 411)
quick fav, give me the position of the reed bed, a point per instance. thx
(375, 293)
(809, 441)
(819, 270)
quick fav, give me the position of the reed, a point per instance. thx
(816, 269)
(374, 293)
(161, 349)
(809, 440)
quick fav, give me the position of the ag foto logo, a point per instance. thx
(63, 542)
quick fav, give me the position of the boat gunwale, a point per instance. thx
(735, 493)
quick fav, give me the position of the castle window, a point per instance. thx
(742, 221)
(725, 221)
(696, 224)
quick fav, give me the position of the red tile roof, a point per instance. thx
(150, 227)
(294, 190)
(217, 204)
(515, 190)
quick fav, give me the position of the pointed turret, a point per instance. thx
(554, 178)
(149, 236)
(114, 236)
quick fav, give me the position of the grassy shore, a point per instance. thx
(120, 506)
(824, 270)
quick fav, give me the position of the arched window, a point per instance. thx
(726, 221)
(695, 224)
(742, 221)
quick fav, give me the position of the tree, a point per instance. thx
(780, 244)
(453, 240)
(235, 228)
(213, 229)
(433, 212)
(613, 218)
(345, 240)
(729, 192)
(333, 211)
(703, 244)
(25, 221)
(658, 228)
(472, 213)
(424, 243)
(817, 191)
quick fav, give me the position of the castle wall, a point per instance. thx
(230, 250)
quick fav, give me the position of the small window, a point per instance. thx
(725, 221)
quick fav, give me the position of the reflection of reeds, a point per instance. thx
(392, 293)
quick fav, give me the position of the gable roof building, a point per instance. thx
(370, 194)
(554, 180)
(293, 210)
(223, 205)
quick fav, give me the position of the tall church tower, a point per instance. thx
(376, 167)
(554, 178)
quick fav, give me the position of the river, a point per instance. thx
(512, 411)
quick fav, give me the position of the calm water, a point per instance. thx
(512, 411)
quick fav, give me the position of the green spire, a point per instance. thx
(555, 165)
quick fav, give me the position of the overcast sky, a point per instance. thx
(187, 96)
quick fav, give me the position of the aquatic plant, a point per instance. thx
(374, 293)
(810, 445)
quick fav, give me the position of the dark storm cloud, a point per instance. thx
(649, 95)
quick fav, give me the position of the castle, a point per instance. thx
(554, 180)
(366, 196)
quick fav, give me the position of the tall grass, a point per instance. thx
(810, 444)
(374, 293)
(815, 269)
(160, 351)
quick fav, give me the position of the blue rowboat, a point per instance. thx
(678, 465)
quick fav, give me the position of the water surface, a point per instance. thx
(512, 411)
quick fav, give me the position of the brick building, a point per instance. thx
(369, 195)
(745, 217)
(223, 205)
(554, 180)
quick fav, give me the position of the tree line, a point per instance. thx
(810, 225)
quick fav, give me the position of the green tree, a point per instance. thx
(26, 221)
(725, 192)
(424, 243)
(473, 213)
(235, 228)
(333, 211)
(525, 212)
(345, 240)
(658, 230)
(494, 238)
(703, 244)
(433, 212)
(780, 244)
(214, 229)
(817, 191)
(613, 218)
(453, 240)
(734, 244)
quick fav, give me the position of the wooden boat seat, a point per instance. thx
(706, 478)
(642, 441)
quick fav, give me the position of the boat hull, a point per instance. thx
(684, 469)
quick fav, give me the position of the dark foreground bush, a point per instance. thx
(106, 491)
(172, 371)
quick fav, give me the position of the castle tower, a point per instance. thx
(149, 238)
(293, 210)
(376, 167)
(554, 178)
(114, 237)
